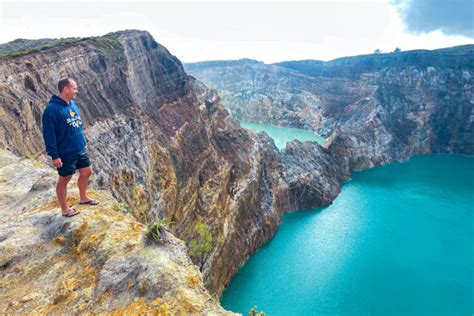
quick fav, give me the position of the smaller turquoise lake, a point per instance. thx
(282, 135)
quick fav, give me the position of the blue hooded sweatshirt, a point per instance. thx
(62, 129)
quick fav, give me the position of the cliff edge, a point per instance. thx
(163, 144)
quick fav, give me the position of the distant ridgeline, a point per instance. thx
(220, 63)
(455, 57)
(452, 57)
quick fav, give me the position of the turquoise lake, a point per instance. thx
(282, 135)
(398, 240)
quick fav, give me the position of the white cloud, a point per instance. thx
(268, 30)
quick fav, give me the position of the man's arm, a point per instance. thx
(49, 137)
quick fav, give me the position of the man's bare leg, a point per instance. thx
(61, 193)
(82, 183)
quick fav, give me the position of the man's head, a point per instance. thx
(67, 89)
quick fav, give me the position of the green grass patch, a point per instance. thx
(157, 230)
(60, 42)
(106, 44)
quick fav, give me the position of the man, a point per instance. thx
(65, 143)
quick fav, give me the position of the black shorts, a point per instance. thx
(71, 165)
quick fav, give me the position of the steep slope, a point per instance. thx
(162, 143)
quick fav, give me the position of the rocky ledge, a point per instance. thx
(100, 261)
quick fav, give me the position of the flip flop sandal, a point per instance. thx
(90, 202)
(71, 213)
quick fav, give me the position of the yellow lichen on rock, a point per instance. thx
(80, 232)
(60, 240)
(193, 278)
(140, 307)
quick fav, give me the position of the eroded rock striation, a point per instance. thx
(165, 146)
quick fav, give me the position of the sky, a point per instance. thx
(268, 31)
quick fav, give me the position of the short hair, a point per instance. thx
(63, 83)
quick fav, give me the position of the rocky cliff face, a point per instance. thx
(253, 91)
(163, 144)
(376, 108)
